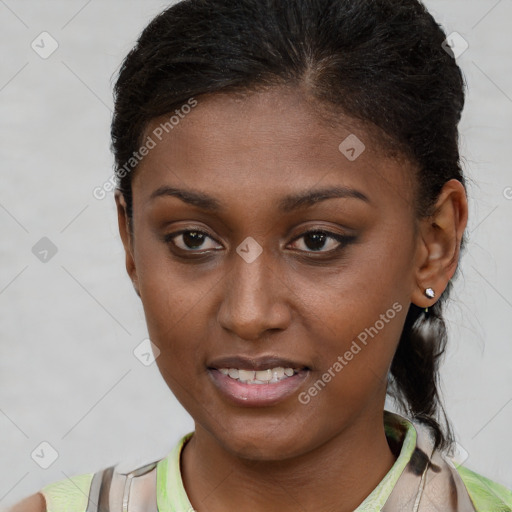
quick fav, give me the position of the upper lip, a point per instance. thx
(255, 363)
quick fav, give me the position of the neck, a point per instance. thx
(338, 475)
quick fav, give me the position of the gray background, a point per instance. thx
(68, 375)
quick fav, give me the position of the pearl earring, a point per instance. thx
(430, 293)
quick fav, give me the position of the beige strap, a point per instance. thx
(116, 490)
(94, 492)
(133, 491)
(429, 483)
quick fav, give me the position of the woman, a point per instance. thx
(292, 208)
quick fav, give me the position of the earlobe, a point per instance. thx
(439, 242)
(126, 237)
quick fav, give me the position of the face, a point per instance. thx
(281, 250)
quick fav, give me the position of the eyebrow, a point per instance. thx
(285, 205)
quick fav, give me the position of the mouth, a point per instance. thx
(257, 382)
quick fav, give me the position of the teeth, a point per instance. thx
(278, 373)
(246, 374)
(264, 375)
(259, 376)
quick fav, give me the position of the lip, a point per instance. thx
(256, 395)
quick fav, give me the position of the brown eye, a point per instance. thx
(191, 240)
(315, 241)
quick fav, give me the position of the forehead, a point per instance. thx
(266, 142)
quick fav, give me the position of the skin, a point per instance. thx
(292, 301)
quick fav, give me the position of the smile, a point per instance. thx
(259, 376)
(257, 388)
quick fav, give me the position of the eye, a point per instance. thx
(190, 240)
(315, 240)
(196, 241)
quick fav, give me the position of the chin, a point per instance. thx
(262, 443)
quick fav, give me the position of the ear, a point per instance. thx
(127, 238)
(439, 239)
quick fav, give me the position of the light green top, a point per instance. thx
(71, 495)
(172, 497)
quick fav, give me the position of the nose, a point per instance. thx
(254, 299)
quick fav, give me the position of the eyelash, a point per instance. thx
(344, 240)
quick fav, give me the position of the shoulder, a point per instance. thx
(34, 503)
(485, 493)
(70, 494)
(136, 478)
(108, 485)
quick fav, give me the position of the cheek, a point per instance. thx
(173, 297)
(354, 355)
(367, 298)
(175, 312)
(356, 343)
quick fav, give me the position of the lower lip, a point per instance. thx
(256, 395)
